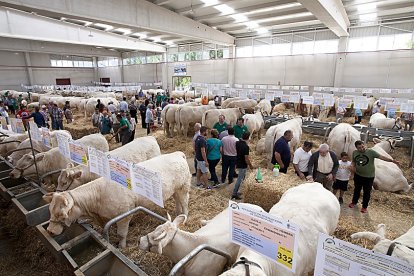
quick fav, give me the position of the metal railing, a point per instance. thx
(126, 214)
(194, 253)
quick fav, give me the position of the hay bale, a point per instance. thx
(269, 192)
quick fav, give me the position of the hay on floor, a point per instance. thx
(269, 192)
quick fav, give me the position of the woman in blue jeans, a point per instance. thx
(214, 149)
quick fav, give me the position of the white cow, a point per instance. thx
(189, 115)
(277, 131)
(265, 106)
(139, 150)
(388, 176)
(244, 103)
(11, 143)
(226, 102)
(168, 240)
(401, 248)
(103, 200)
(210, 117)
(379, 120)
(315, 210)
(254, 123)
(37, 145)
(342, 138)
(52, 160)
(260, 147)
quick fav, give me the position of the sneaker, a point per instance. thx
(194, 174)
(200, 185)
(364, 210)
(209, 188)
(341, 200)
(351, 205)
(236, 197)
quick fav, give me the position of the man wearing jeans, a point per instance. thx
(242, 162)
(364, 173)
(201, 158)
(197, 127)
(229, 156)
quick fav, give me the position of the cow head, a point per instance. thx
(69, 178)
(25, 166)
(62, 211)
(397, 124)
(387, 144)
(162, 235)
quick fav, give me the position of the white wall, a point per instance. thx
(388, 69)
(12, 70)
(112, 72)
(143, 72)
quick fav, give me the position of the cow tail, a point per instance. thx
(177, 119)
(347, 141)
(204, 118)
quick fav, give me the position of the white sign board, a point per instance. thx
(98, 162)
(46, 137)
(407, 107)
(63, 144)
(285, 98)
(307, 100)
(35, 132)
(119, 171)
(243, 93)
(147, 183)
(278, 94)
(328, 102)
(270, 96)
(345, 103)
(269, 236)
(78, 153)
(360, 103)
(294, 98)
(304, 93)
(340, 258)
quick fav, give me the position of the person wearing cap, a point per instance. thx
(3, 112)
(111, 107)
(57, 117)
(38, 117)
(45, 115)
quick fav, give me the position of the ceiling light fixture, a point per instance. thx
(105, 26)
(368, 16)
(224, 9)
(63, 18)
(251, 24)
(367, 7)
(210, 2)
(141, 35)
(124, 30)
(239, 17)
(262, 30)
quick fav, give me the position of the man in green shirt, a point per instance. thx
(124, 129)
(239, 128)
(221, 125)
(364, 173)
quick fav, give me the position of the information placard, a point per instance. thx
(78, 153)
(285, 98)
(19, 126)
(307, 100)
(119, 171)
(361, 103)
(147, 183)
(345, 103)
(63, 144)
(46, 140)
(340, 258)
(407, 108)
(294, 98)
(392, 107)
(35, 132)
(278, 94)
(270, 96)
(304, 93)
(328, 102)
(98, 162)
(243, 93)
(3, 123)
(13, 124)
(269, 236)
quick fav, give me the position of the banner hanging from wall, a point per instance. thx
(180, 69)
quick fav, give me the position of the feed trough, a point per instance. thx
(33, 207)
(7, 183)
(54, 243)
(82, 249)
(109, 263)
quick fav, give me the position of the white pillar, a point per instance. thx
(231, 65)
(29, 68)
(95, 69)
(340, 61)
(164, 72)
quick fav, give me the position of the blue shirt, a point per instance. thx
(391, 113)
(213, 149)
(358, 112)
(282, 147)
(123, 106)
(38, 119)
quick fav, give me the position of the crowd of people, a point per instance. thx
(228, 144)
(325, 167)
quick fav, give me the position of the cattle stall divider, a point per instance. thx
(33, 152)
(411, 151)
(194, 253)
(126, 214)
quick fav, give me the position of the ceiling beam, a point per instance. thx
(331, 13)
(23, 25)
(280, 28)
(193, 8)
(126, 13)
(259, 18)
(245, 10)
(32, 46)
(162, 2)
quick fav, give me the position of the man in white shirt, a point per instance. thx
(301, 159)
(229, 157)
(123, 105)
(111, 107)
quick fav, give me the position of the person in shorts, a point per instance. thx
(201, 158)
(342, 176)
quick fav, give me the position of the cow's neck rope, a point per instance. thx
(244, 261)
(73, 180)
(150, 245)
(393, 245)
(61, 222)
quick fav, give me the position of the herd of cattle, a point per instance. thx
(82, 194)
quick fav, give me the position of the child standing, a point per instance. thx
(342, 176)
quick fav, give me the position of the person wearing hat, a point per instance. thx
(45, 115)
(57, 117)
